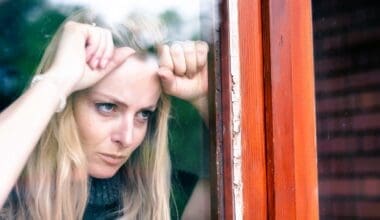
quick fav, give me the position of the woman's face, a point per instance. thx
(113, 115)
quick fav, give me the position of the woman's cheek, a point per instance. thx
(91, 129)
(141, 135)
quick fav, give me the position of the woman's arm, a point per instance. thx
(184, 74)
(84, 55)
(199, 204)
(21, 125)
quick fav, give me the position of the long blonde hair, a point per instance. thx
(54, 183)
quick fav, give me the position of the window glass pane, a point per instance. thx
(29, 26)
(347, 79)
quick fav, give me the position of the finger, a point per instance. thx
(108, 50)
(178, 57)
(92, 43)
(190, 58)
(202, 50)
(165, 59)
(94, 62)
(167, 79)
(118, 58)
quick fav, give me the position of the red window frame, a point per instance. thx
(278, 130)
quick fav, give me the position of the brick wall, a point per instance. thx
(347, 73)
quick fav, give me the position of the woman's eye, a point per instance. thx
(145, 115)
(105, 107)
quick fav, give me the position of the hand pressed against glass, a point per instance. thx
(113, 115)
(184, 73)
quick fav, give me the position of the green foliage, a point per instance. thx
(188, 149)
(172, 19)
(27, 26)
(187, 138)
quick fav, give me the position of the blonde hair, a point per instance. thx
(53, 184)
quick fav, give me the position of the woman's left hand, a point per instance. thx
(183, 70)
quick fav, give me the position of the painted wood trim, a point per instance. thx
(253, 112)
(290, 110)
(220, 122)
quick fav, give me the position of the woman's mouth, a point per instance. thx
(112, 159)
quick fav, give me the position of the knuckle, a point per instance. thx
(108, 33)
(202, 47)
(98, 54)
(71, 25)
(108, 54)
(164, 49)
(189, 47)
(188, 50)
(180, 69)
(91, 49)
(176, 49)
(109, 37)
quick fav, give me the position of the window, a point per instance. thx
(29, 27)
(347, 100)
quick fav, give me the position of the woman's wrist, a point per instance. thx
(56, 86)
(201, 104)
(64, 87)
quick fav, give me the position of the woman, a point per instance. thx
(104, 154)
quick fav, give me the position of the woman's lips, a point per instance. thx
(111, 159)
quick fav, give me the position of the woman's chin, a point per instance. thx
(102, 172)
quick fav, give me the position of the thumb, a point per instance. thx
(118, 58)
(165, 59)
(167, 79)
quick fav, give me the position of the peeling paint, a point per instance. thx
(236, 110)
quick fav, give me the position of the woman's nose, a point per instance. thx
(123, 133)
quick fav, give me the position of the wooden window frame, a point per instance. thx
(278, 130)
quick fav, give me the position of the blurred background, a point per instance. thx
(27, 26)
(347, 81)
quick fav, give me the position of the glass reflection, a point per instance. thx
(28, 26)
(347, 64)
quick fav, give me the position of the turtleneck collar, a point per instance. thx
(105, 191)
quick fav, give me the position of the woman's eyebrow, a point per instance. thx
(149, 108)
(120, 102)
(111, 97)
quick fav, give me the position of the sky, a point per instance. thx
(186, 8)
(115, 10)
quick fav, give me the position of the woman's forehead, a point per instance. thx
(133, 70)
(135, 78)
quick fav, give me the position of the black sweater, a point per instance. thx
(104, 200)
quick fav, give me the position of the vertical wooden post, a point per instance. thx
(290, 110)
(252, 115)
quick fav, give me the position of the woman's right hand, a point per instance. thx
(85, 54)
